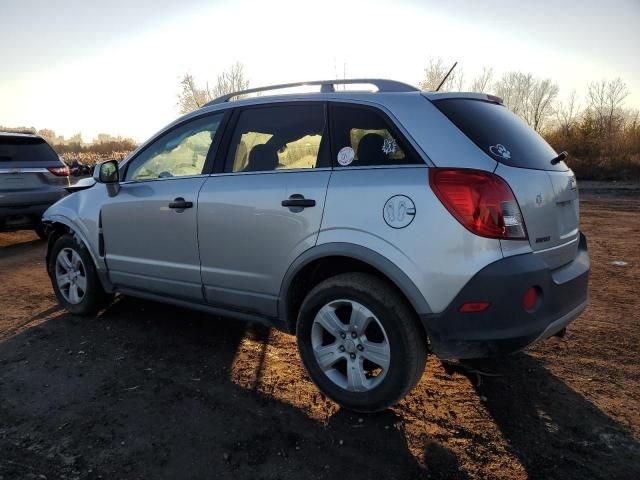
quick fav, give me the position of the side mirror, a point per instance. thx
(107, 172)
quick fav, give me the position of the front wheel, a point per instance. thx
(74, 278)
(359, 341)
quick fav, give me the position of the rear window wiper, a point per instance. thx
(561, 156)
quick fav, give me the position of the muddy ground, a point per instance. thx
(149, 391)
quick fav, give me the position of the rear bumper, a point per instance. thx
(24, 209)
(505, 327)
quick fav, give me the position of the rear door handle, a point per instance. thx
(180, 204)
(297, 200)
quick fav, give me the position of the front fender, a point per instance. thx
(80, 213)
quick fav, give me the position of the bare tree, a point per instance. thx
(457, 84)
(192, 97)
(567, 114)
(482, 82)
(540, 104)
(435, 73)
(515, 89)
(605, 101)
(232, 80)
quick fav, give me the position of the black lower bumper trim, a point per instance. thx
(505, 327)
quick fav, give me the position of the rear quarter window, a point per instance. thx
(501, 134)
(26, 149)
(371, 139)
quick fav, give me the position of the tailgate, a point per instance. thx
(549, 204)
(12, 179)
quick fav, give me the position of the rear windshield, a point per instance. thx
(26, 149)
(500, 133)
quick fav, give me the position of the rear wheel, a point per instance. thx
(74, 278)
(359, 341)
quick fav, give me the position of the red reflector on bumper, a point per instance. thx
(474, 307)
(530, 299)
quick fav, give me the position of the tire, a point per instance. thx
(90, 296)
(392, 340)
(39, 229)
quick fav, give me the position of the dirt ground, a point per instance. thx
(150, 391)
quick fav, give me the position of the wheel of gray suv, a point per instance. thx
(359, 341)
(40, 231)
(74, 278)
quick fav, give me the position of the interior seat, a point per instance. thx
(370, 150)
(262, 158)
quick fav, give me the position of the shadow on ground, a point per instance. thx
(144, 391)
(552, 430)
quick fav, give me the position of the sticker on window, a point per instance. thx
(346, 156)
(389, 146)
(501, 151)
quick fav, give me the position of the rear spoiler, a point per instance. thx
(469, 95)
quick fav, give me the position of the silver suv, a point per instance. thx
(32, 178)
(375, 226)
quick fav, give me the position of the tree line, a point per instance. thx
(103, 144)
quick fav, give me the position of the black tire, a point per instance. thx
(39, 229)
(407, 341)
(94, 298)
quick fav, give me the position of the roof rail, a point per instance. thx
(325, 86)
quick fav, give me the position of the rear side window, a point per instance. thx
(364, 137)
(501, 134)
(26, 149)
(281, 137)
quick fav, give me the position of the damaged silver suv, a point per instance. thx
(375, 226)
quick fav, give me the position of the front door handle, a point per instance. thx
(180, 204)
(297, 200)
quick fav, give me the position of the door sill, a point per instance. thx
(214, 310)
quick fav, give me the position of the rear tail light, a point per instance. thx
(481, 201)
(59, 171)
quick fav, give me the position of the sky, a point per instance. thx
(115, 66)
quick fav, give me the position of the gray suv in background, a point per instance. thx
(32, 178)
(375, 226)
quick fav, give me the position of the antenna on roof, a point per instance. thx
(446, 76)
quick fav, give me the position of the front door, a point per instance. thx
(266, 209)
(150, 226)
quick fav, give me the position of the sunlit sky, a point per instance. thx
(114, 66)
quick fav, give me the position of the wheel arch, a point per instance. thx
(56, 226)
(330, 259)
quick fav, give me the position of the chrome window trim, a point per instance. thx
(271, 172)
(129, 182)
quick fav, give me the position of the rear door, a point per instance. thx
(265, 209)
(149, 227)
(547, 193)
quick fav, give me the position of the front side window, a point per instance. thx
(280, 137)
(364, 137)
(179, 153)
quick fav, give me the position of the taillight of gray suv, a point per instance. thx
(32, 178)
(375, 226)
